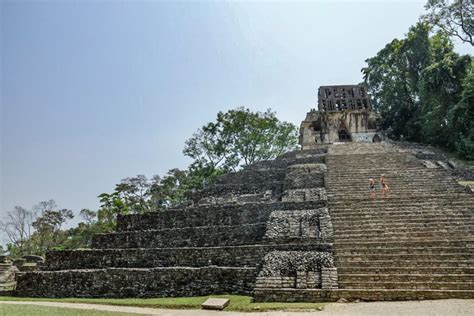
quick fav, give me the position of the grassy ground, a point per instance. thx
(31, 310)
(237, 303)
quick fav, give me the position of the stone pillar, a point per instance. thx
(301, 280)
(314, 280)
(269, 282)
(325, 225)
(329, 278)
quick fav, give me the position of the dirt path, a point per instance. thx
(416, 308)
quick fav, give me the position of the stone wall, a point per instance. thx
(298, 269)
(155, 282)
(303, 224)
(211, 215)
(324, 127)
(183, 237)
(235, 256)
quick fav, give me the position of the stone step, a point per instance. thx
(8, 286)
(388, 210)
(399, 200)
(351, 198)
(427, 232)
(205, 236)
(350, 269)
(209, 215)
(388, 278)
(348, 184)
(315, 295)
(407, 285)
(375, 230)
(397, 243)
(408, 263)
(400, 256)
(399, 188)
(452, 234)
(362, 190)
(231, 256)
(381, 223)
(395, 167)
(406, 250)
(410, 176)
(120, 283)
(393, 171)
(396, 217)
(375, 207)
(453, 199)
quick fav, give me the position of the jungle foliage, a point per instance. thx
(424, 90)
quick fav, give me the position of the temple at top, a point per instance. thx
(344, 114)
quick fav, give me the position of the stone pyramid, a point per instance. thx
(301, 227)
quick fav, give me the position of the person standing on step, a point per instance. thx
(383, 186)
(372, 188)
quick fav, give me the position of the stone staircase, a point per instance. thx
(7, 275)
(415, 243)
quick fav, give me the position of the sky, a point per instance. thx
(96, 91)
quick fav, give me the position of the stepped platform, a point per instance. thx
(302, 227)
(221, 243)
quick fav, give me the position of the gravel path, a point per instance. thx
(416, 308)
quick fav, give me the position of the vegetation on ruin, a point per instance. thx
(237, 303)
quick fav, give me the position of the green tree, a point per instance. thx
(441, 87)
(461, 118)
(81, 235)
(393, 79)
(135, 192)
(454, 17)
(111, 206)
(48, 233)
(420, 86)
(239, 138)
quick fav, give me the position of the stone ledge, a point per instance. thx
(310, 295)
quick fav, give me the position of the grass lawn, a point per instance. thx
(31, 310)
(237, 303)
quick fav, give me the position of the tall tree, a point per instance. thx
(393, 78)
(454, 17)
(441, 86)
(421, 87)
(135, 192)
(48, 226)
(239, 138)
(461, 118)
(18, 226)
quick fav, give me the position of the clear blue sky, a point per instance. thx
(95, 91)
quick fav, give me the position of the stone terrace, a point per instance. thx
(256, 227)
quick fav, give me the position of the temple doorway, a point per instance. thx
(344, 136)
